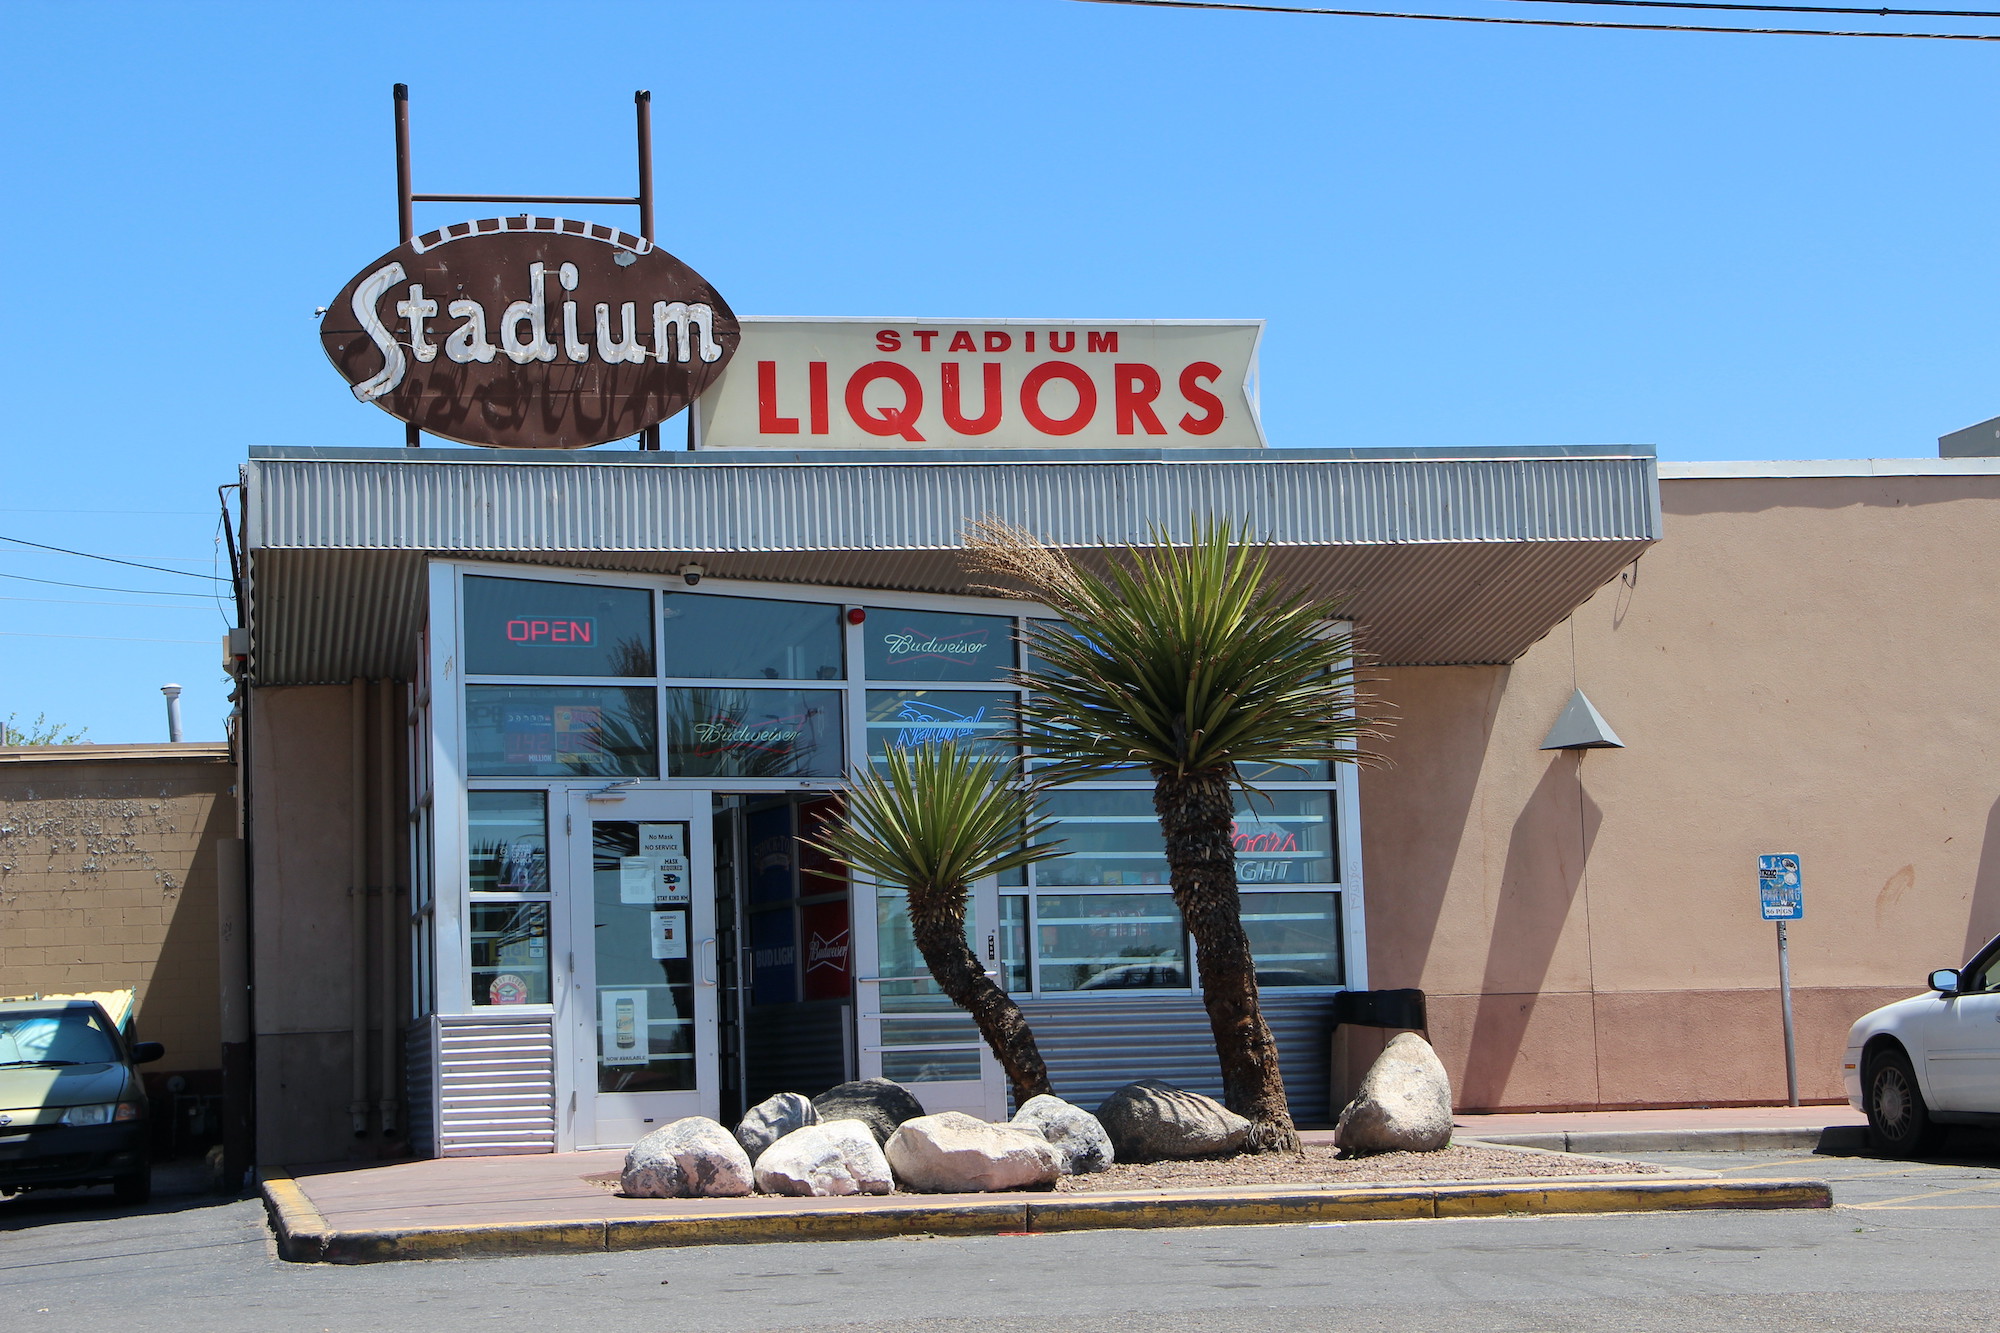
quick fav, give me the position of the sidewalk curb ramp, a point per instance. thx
(1831, 1139)
(304, 1235)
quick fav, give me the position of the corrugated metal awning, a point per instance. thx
(1443, 556)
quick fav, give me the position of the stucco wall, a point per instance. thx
(1802, 664)
(302, 832)
(108, 881)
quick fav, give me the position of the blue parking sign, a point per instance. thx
(1780, 887)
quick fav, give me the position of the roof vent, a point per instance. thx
(1581, 727)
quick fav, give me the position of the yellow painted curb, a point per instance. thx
(304, 1235)
(300, 1229)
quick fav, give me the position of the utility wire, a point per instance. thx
(78, 601)
(1542, 23)
(1780, 9)
(111, 559)
(98, 587)
(95, 638)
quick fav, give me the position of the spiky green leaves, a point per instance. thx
(1184, 658)
(935, 819)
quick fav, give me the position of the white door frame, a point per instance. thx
(591, 1118)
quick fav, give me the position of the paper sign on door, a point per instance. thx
(622, 1027)
(666, 846)
(638, 876)
(669, 935)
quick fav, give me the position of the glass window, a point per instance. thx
(1014, 942)
(754, 733)
(925, 1037)
(1112, 837)
(526, 627)
(1285, 837)
(903, 718)
(1110, 941)
(751, 638)
(560, 731)
(645, 975)
(1312, 770)
(937, 645)
(1295, 938)
(510, 953)
(507, 842)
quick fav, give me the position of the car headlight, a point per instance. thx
(101, 1113)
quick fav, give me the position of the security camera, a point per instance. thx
(691, 574)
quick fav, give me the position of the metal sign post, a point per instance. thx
(1781, 897)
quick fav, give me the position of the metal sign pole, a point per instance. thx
(406, 216)
(1785, 988)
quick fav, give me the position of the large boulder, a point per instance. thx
(954, 1153)
(834, 1157)
(1077, 1136)
(1151, 1121)
(879, 1103)
(1404, 1104)
(691, 1158)
(773, 1118)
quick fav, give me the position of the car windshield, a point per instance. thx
(73, 1037)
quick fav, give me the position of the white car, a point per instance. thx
(1918, 1065)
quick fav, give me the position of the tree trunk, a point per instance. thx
(937, 921)
(1197, 816)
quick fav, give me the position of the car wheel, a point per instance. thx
(135, 1188)
(1898, 1121)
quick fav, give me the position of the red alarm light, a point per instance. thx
(855, 615)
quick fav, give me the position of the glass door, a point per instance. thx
(643, 986)
(909, 1031)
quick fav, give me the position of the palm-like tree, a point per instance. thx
(932, 821)
(1187, 659)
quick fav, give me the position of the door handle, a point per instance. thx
(707, 948)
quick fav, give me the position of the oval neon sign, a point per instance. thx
(529, 333)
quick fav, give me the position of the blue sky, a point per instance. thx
(1727, 247)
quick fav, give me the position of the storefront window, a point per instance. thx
(528, 627)
(1110, 941)
(925, 1037)
(510, 953)
(560, 731)
(937, 645)
(507, 842)
(754, 733)
(900, 719)
(1295, 938)
(1112, 837)
(750, 638)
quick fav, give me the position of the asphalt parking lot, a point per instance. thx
(1909, 1245)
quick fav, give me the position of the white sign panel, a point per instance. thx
(638, 876)
(666, 846)
(970, 384)
(622, 1027)
(669, 935)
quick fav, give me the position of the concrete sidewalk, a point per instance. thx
(1707, 1129)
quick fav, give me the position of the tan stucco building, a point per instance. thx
(545, 726)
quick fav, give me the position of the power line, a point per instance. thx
(78, 601)
(110, 559)
(1542, 23)
(1781, 9)
(95, 638)
(98, 587)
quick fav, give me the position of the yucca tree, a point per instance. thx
(931, 822)
(1187, 658)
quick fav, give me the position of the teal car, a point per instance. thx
(72, 1106)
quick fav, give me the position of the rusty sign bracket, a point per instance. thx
(406, 199)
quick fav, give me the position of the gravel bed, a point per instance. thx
(1322, 1165)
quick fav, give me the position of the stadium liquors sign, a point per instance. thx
(529, 333)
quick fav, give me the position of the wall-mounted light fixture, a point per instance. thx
(1581, 727)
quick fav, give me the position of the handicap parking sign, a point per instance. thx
(1780, 889)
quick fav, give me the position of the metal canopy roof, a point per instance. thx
(1446, 556)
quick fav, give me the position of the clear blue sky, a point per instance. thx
(1728, 247)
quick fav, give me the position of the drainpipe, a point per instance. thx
(386, 824)
(357, 904)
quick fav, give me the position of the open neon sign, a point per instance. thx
(549, 632)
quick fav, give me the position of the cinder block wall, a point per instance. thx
(1798, 666)
(108, 881)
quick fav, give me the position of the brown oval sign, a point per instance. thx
(529, 333)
